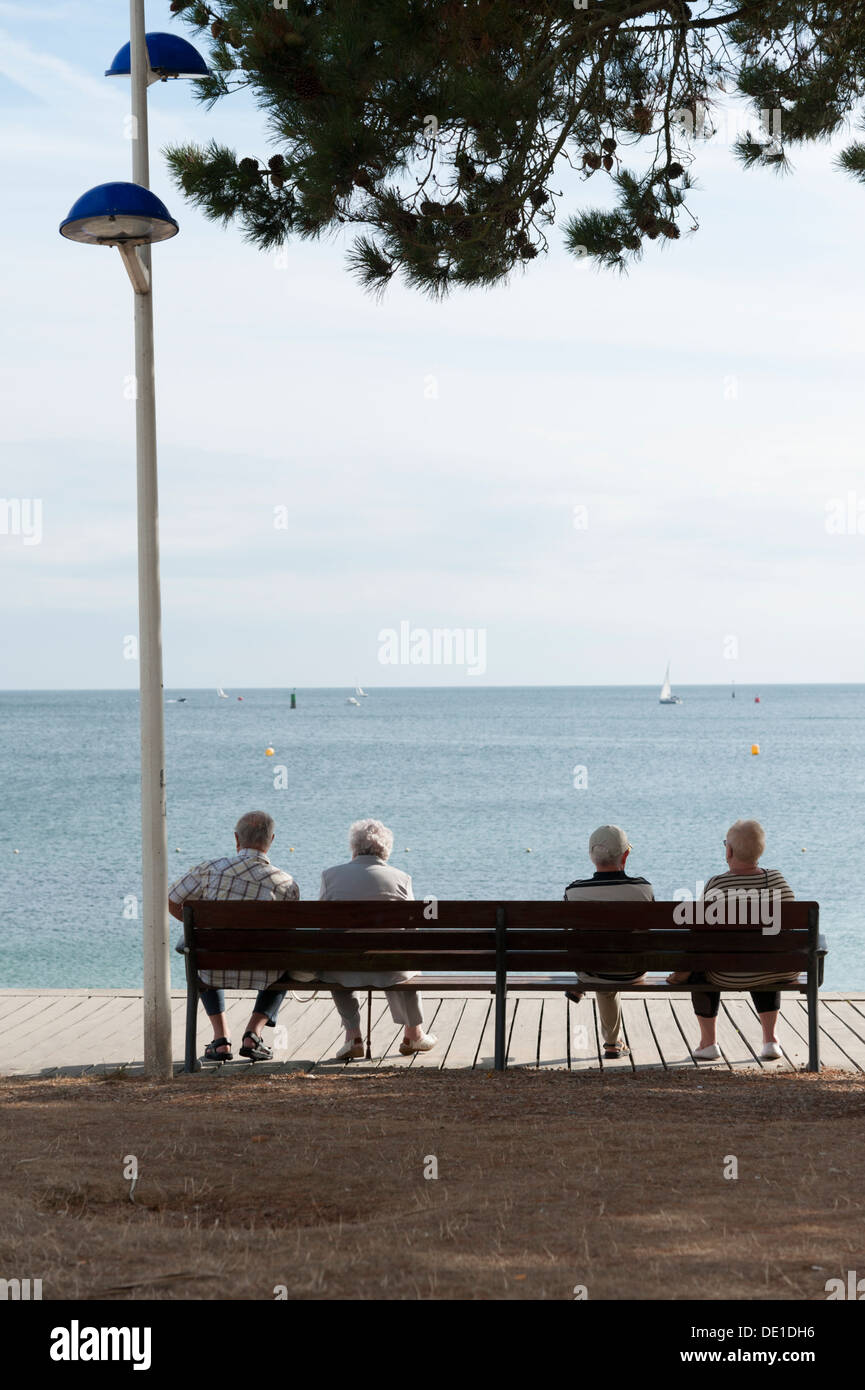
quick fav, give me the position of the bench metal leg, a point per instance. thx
(191, 1026)
(500, 1029)
(501, 989)
(813, 1020)
(368, 1024)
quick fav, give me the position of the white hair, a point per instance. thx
(370, 837)
(254, 830)
(747, 840)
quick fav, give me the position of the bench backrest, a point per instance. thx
(521, 937)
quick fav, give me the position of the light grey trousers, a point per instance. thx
(406, 1008)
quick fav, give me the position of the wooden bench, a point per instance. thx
(492, 947)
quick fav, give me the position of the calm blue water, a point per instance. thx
(469, 779)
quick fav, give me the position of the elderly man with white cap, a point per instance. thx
(608, 851)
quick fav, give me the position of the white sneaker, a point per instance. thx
(425, 1043)
(707, 1054)
(770, 1052)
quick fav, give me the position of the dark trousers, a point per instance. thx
(267, 1001)
(706, 1004)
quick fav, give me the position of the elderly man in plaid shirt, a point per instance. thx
(247, 874)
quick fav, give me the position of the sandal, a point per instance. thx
(258, 1051)
(619, 1049)
(574, 995)
(211, 1053)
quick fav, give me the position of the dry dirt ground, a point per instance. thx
(546, 1181)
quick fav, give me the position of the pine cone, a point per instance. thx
(405, 222)
(642, 119)
(538, 196)
(364, 180)
(669, 229)
(609, 145)
(178, 6)
(217, 28)
(306, 84)
(528, 253)
(462, 230)
(591, 160)
(235, 38)
(429, 208)
(608, 162)
(248, 168)
(277, 180)
(510, 217)
(673, 171)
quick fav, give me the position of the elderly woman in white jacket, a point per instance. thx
(366, 876)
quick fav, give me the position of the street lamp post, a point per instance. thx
(129, 217)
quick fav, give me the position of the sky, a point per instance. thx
(597, 473)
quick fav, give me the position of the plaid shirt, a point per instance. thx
(247, 875)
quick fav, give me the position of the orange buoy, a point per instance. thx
(755, 748)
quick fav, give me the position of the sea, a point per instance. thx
(490, 792)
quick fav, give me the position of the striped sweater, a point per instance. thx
(746, 903)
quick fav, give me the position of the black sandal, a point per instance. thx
(259, 1051)
(211, 1053)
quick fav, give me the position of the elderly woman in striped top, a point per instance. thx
(744, 881)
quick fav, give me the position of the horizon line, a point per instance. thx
(555, 685)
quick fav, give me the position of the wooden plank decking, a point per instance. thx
(71, 1032)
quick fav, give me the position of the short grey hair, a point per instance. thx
(370, 837)
(747, 839)
(254, 830)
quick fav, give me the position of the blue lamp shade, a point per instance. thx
(118, 214)
(170, 56)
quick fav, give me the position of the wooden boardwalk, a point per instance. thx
(78, 1031)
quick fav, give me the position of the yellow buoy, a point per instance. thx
(268, 752)
(755, 748)
(291, 850)
(528, 851)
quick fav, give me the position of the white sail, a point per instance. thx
(221, 693)
(665, 688)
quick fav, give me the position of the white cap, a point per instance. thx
(611, 839)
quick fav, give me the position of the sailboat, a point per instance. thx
(358, 690)
(221, 693)
(667, 697)
(352, 701)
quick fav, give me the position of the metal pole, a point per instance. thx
(157, 996)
